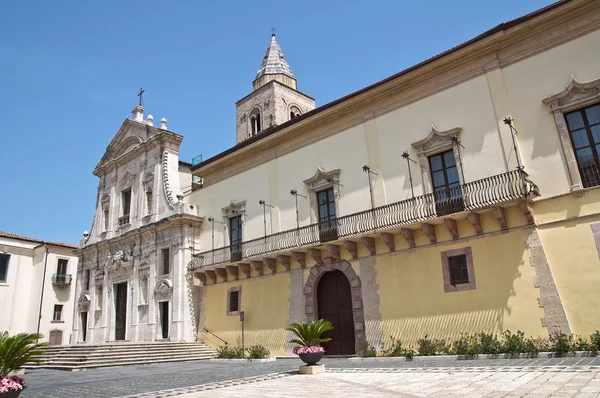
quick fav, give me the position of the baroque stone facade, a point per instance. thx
(132, 275)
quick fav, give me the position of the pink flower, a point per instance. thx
(13, 383)
(308, 350)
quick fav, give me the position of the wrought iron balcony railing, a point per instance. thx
(473, 195)
(61, 279)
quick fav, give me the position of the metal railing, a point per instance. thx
(590, 172)
(473, 195)
(61, 279)
(208, 331)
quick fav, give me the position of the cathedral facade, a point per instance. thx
(458, 196)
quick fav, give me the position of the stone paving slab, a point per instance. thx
(441, 383)
(187, 376)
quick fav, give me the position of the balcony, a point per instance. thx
(61, 280)
(489, 192)
(124, 220)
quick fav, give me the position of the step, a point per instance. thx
(117, 355)
(77, 357)
(127, 359)
(111, 364)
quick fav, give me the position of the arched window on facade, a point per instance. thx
(294, 112)
(254, 122)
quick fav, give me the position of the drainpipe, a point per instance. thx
(42, 295)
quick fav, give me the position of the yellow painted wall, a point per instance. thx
(567, 237)
(413, 301)
(265, 302)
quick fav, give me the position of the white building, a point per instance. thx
(37, 287)
(141, 241)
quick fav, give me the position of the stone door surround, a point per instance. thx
(310, 292)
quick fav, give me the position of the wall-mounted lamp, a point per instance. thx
(264, 205)
(295, 194)
(213, 221)
(367, 170)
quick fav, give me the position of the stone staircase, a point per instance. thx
(83, 356)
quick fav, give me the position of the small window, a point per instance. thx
(106, 219)
(166, 261)
(61, 267)
(4, 267)
(126, 201)
(254, 122)
(149, 202)
(234, 296)
(86, 279)
(294, 112)
(57, 312)
(458, 270)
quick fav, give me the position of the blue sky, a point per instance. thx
(70, 72)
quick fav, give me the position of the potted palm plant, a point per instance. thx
(309, 339)
(15, 351)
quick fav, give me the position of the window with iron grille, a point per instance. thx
(458, 270)
(234, 300)
(57, 312)
(584, 130)
(4, 267)
(459, 273)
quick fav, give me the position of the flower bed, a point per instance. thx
(471, 345)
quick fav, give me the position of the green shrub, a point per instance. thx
(582, 344)
(257, 352)
(18, 349)
(366, 350)
(227, 352)
(595, 341)
(467, 345)
(394, 349)
(309, 333)
(429, 346)
(512, 343)
(489, 343)
(561, 343)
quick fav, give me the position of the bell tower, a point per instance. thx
(275, 98)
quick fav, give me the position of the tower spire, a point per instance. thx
(274, 66)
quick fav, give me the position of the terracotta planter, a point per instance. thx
(10, 394)
(311, 359)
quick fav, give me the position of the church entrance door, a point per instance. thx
(334, 303)
(164, 318)
(121, 310)
(83, 326)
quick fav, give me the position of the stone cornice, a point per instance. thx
(449, 69)
(172, 222)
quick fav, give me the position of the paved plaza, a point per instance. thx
(535, 377)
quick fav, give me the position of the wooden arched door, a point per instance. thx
(334, 303)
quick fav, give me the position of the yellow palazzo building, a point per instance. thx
(459, 195)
